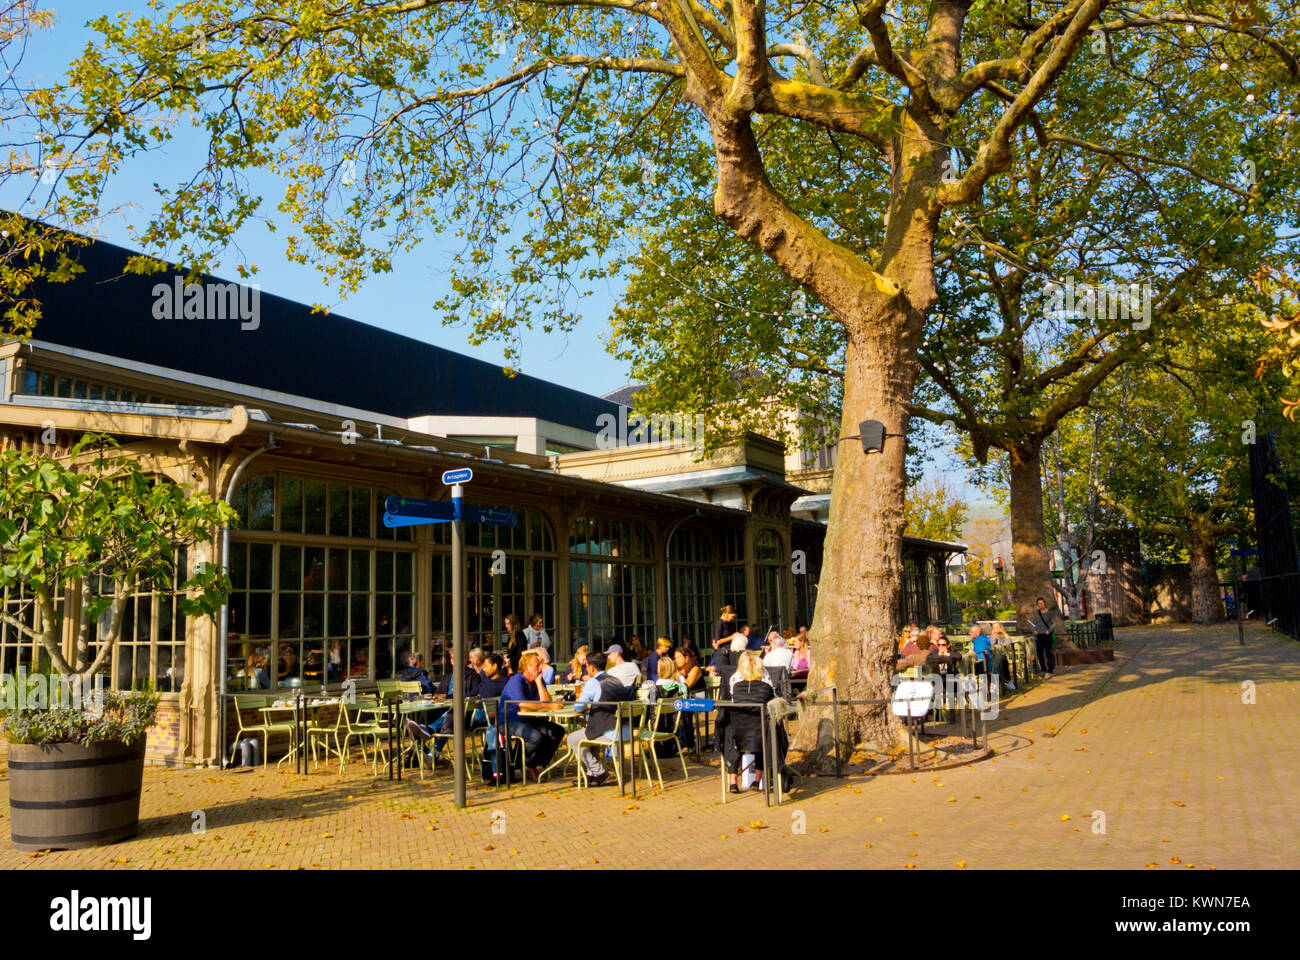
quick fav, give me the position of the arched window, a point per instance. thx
(507, 570)
(690, 592)
(935, 590)
(913, 590)
(611, 582)
(731, 544)
(322, 600)
(770, 554)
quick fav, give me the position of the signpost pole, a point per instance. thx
(458, 639)
(1236, 592)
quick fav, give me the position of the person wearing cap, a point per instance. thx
(629, 674)
(597, 699)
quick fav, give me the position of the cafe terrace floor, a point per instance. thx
(1161, 743)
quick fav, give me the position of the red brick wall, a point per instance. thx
(164, 741)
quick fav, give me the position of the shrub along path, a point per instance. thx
(1155, 761)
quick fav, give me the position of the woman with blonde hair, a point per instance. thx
(744, 730)
(578, 666)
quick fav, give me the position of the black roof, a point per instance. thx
(321, 356)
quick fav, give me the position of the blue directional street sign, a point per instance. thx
(693, 706)
(411, 511)
(463, 475)
(1245, 552)
(492, 516)
(429, 511)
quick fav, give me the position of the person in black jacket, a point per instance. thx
(744, 732)
(415, 671)
(516, 641)
(1044, 623)
(598, 698)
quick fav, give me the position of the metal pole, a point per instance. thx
(1236, 590)
(458, 645)
(618, 747)
(835, 708)
(767, 760)
(223, 639)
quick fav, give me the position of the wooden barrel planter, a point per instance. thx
(65, 796)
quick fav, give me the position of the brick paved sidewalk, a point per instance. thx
(1159, 743)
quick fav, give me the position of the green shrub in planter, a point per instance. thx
(106, 717)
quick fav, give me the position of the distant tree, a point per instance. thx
(934, 510)
(29, 249)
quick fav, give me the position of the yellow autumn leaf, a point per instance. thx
(961, 863)
(1065, 816)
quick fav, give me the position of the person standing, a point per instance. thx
(515, 641)
(1043, 623)
(725, 628)
(536, 633)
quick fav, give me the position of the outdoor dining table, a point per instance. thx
(391, 711)
(300, 706)
(567, 717)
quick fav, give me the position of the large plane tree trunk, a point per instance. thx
(882, 307)
(1207, 604)
(857, 612)
(1028, 538)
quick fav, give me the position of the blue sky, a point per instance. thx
(400, 301)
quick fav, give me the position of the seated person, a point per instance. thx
(666, 683)
(744, 733)
(688, 669)
(288, 665)
(255, 672)
(548, 671)
(981, 647)
(801, 656)
(629, 673)
(910, 647)
(487, 685)
(540, 735)
(597, 699)
(1005, 664)
(778, 654)
(926, 655)
(663, 648)
(577, 672)
(414, 670)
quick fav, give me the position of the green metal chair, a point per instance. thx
(472, 704)
(408, 687)
(327, 733)
(256, 705)
(363, 730)
(491, 707)
(650, 736)
(614, 741)
(387, 686)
